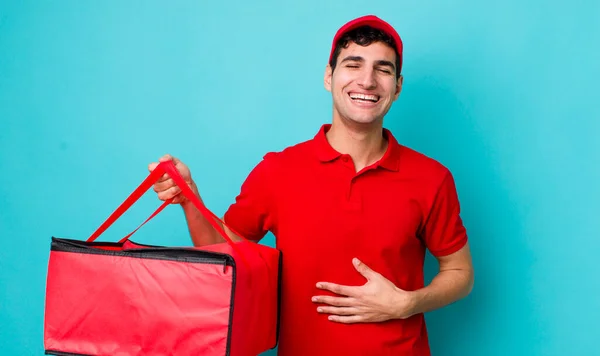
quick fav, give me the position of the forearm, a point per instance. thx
(446, 288)
(201, 230)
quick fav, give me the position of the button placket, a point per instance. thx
(353, 199)
(349, 189)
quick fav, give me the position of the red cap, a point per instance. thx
(374, 22)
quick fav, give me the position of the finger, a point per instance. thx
(338, 289)
(364, 270)
(164, 158)
(168, 157)
(335, 301)
(346, 319)
(152, 166)
(169, 193)
(163, 185)
(338, 310)
(163, 178)
(178, 199)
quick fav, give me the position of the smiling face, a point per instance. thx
(363, 84)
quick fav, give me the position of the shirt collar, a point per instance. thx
(326, 153)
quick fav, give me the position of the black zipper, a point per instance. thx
(157, 253)
(59, 353)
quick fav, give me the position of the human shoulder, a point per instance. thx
(289, 156)
(421, 166)
(278, 167)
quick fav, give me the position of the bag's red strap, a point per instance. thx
(162, 168)
(160, 208)
(135, 196)
(170, 169)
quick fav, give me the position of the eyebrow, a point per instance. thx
(361, 59)
(386, 64)
(353, 59)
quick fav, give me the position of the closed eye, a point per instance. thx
(386, 67)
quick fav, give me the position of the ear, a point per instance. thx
(399, 82)
(327, 78)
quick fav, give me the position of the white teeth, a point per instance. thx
(373, 98)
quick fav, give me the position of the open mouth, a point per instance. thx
(364, 98)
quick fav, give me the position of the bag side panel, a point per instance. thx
(258, 281)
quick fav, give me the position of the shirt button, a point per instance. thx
(345, 159)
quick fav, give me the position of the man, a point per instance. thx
(353, 213)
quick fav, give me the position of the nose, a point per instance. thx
(367, 79)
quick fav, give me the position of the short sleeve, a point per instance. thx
(252, 213)
(444, 232)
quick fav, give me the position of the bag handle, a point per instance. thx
(162, 168)
(160, 208)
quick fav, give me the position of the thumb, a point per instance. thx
(363, 269)
(168, 157)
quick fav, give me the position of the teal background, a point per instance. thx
(503, 93)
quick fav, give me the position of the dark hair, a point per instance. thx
(364, 36)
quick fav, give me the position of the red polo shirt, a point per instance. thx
(323, 214)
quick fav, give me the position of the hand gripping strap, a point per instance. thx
(162, 168)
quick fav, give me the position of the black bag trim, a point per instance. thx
(231, 304)
(279, 283)
(60, 353)
(180, 254)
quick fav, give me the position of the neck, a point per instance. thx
(364, 143)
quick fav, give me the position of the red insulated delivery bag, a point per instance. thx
(125, 298)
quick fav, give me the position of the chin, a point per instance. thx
(363, 124)
(364, 120)
(358, 117)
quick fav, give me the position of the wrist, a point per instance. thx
(185, 202)
(407, 303)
